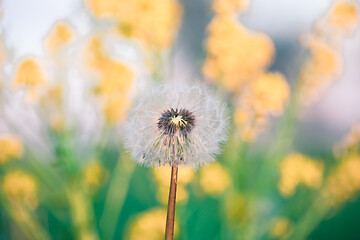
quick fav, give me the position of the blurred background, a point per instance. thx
(288, 70)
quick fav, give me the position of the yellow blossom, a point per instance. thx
(343, 182)
(148, 225)
(214, 179)
(228, 6)
(137, 19)
(115, 81)
(343, 16)
(319, 70)
(20, 188)
(266, 94)
(94, 174)
(11, 147)
(281, 227)
(235, 54)
(298, 169)
(61, 34)
(29, 74)
(350, 143)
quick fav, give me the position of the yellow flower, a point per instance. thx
(148, 225)
(266, 94)
(11, 147)
(115, 82)
(319, 70)
(343, 182)
(20, 188)
(343, 16)
(94, 175)
(59, 36)
(235, 208)
(137, 19)
(162, 178)
(226, 61)
(350, 142)
(214, 179)
(298, 169)
(228, 6)
(29, 74)
(281, 227)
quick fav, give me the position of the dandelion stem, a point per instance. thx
(169, 231)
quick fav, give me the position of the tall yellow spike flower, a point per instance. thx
(343, 17)
(298, 169)
(137, 19)
(344, 182)
(351, 142)
(115, 81)
(320, 69)
(11, 147)
(20, 189)
(235, 54)
(266, 95)
(61, 34)
(228, 6)
(29, 74)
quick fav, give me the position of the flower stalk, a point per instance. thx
(169, 231)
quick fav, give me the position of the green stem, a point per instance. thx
(115, 197)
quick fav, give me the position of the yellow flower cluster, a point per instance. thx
(343, 182)
(266, 94)
(20, 189)
(162, 178)
(115, 81)
(59, 36)
(30, 75)
(94, 175)
(214, 179)
(149, 225)
(235, 54)
(324, 43)
(298, 169)
(229, 6)
(281, 227)
(154, 23)
(350, 143)
(11, 147)
(319, 70)
(343, 17)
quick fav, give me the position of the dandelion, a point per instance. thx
(176, 125)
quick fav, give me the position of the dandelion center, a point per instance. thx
(176, 121)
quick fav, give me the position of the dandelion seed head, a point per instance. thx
(176, 125)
